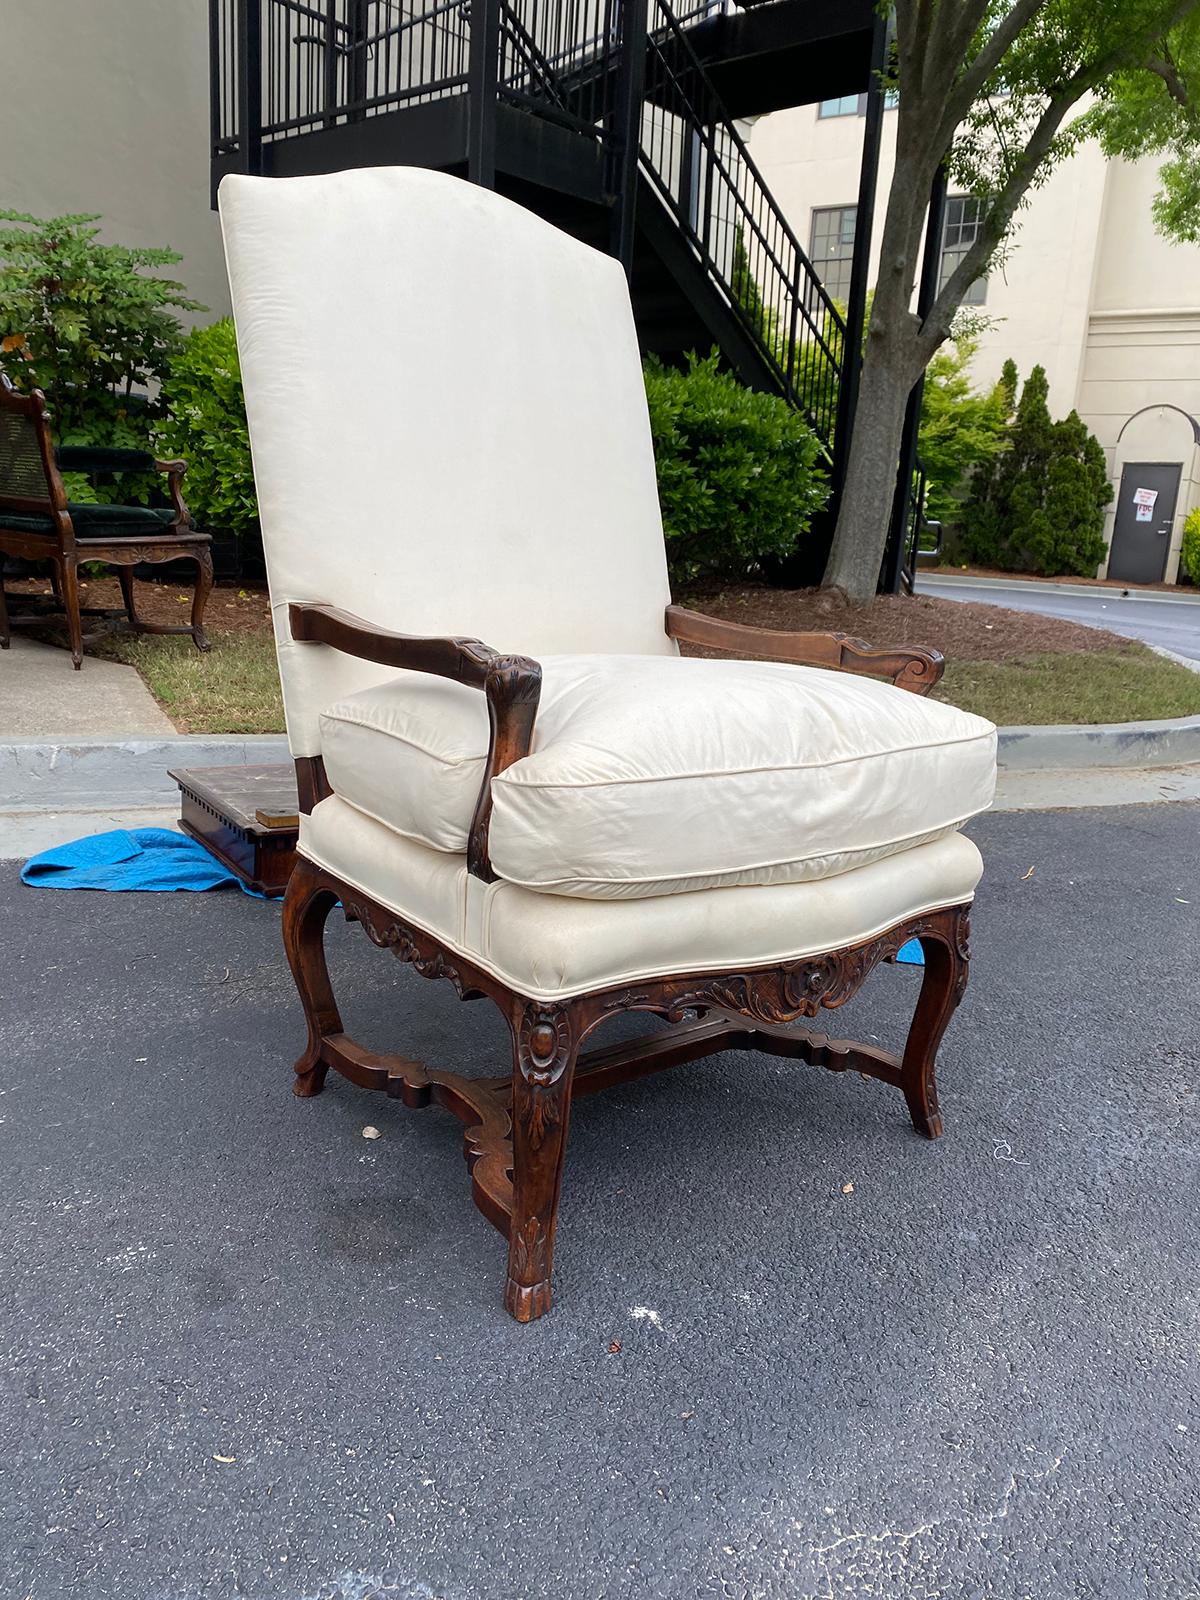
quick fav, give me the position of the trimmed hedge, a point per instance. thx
(739, 473)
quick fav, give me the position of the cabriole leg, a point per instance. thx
(946, 965)
(68, 576)
(125, 579)
(204, 583)
(545, 1048)
(306, 905)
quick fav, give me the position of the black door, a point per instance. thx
(1145, 516)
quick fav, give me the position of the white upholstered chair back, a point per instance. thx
(447, 420)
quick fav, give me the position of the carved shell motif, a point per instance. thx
(544, 1041)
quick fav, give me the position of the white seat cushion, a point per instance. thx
(656, 775)
(551, 946)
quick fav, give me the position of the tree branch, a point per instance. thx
(914, 24)
(1003, 206)
(1000, 212)
(970, 85)
(1165, 68)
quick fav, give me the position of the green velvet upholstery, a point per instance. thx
(94, 522)
(96, 458)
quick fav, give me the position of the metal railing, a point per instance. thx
(556, 59)
(322, 63)
(623, 72)
(702, 172)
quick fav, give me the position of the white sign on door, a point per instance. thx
(1145, 497)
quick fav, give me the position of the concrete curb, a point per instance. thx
(77, 775)
(101, 775)
(1033, 586)
(1174, 742)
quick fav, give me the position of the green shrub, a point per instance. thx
(1191, 545)
(1039, 505)
(962, 430)
(88, 324)
(206, 424)
(738, 473)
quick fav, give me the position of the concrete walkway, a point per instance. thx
(40, 696)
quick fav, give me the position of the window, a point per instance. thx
(848, 105)
(832, 250)
(855, 105)
(964, 218)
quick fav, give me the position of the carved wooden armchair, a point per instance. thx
(570, 820)
(39, 523)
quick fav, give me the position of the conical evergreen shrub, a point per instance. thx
(1039, 506)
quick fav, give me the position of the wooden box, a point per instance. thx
(248, 817)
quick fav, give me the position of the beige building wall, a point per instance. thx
(1037, 300)
(105, 108)
(1087, 289)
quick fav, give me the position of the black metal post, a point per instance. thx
(927, 293)
(483, 80)
(627, 128)
(216, 70)
(357, 59)
(249, 84)
(333, 53)
(860, 269)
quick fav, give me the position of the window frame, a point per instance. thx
(949, 255)
(822, 261)
(891, 99)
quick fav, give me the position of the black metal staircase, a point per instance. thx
(659, 172)
(602, 115)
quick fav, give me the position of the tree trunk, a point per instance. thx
(892, 362)
(866, 508)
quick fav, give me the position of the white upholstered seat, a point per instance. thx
(654, 775)
(550, 946)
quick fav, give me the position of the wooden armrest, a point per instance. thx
(912, 667)
(511, 684)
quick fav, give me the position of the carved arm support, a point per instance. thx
(911, 667)
(175, 471)
(511, 686)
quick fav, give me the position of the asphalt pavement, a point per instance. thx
(247, 1352)
(1171, 624)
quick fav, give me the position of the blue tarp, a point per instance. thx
(142, 858)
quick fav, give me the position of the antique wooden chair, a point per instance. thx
(571, 820)
(39, 523)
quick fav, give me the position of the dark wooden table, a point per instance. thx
(248, 817)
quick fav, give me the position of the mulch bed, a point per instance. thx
(231, 607)
(961, 630)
